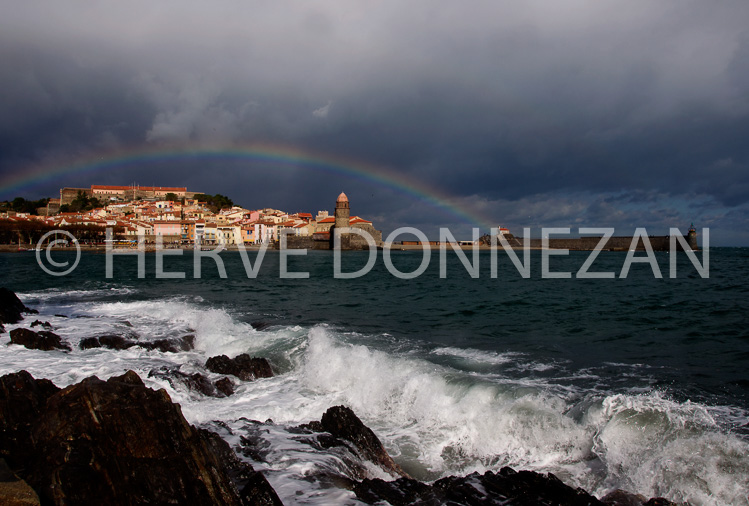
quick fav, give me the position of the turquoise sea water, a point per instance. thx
(639, 383)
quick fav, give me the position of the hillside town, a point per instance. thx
(177, 216)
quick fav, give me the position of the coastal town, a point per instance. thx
(177, 218)
(174, 215)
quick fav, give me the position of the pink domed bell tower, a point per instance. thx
(342, 211)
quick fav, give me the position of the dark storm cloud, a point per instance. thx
(552, 112)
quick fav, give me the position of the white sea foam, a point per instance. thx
(434, 419)
(663, 448)
(54, 294)
(479, 356)
(447, 423)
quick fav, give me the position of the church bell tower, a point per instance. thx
(342, 211)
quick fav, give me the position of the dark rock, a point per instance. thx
(11, 307)
(163, 345)
(89, 342)
(22, 400)
(660, 501)
(31, 311)
(243, 366)
(342, 423)
(42, 340)
(199, 383)
(169, 345)
(13, 490)
(118, 442)
(195, 382)
(621, 497)
(260, 325)
(253, 488)
(399, 492)
(116, 342)
(61, 316)
(187, 342)
(524, 488)
(113, 342)
(44, 325)
(225, 386)
(252, 444)
(2, 329)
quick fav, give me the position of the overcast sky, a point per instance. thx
(560, 113)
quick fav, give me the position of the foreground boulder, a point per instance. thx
(620, 497)
(42, 340)
(22, 400)
(195, 382)
(185, 343)
(109, 341)
(116, 342)
(519, 488)
(242, 366)
(523, 488)
(117, 442)
(342, 423)
(11, 307)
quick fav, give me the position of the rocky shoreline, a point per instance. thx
(120, 442)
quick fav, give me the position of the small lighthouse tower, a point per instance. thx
(692, 238)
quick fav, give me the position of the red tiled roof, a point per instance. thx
(105, 187)
(142, 188)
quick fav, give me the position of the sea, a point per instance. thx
(637, 382)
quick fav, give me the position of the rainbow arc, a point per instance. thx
(278, 155)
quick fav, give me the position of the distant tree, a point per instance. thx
(215, 202)
(82, 202)
(171, 196)
(21, 205)
(28, 232)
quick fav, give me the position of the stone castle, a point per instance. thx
(125, 193)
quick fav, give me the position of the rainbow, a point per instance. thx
(278, 155)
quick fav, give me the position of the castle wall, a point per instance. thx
(68, 195)
(348, 241)
(619, 243)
